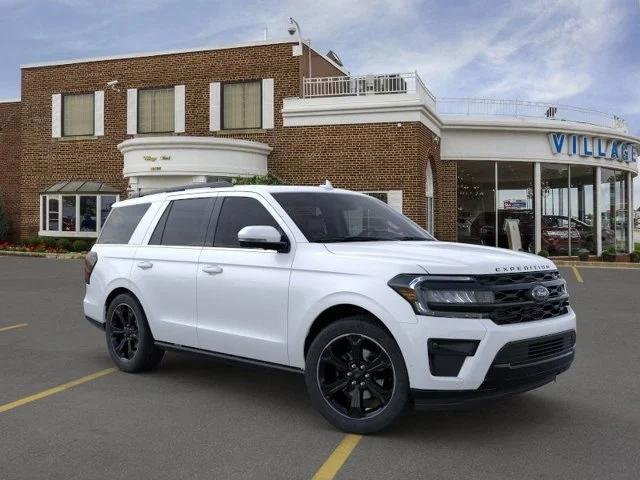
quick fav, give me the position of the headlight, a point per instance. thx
(428, 293)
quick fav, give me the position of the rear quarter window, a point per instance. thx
(121, 223)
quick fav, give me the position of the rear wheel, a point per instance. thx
(129, 338)
(356, 376)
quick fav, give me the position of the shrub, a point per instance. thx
(583, 254)
(610, 254)
(268, 179)
(79, 246)
(543, 253)
(635, 256)
(65, 244)
(4, 221)
(49, 242)
(30, 241)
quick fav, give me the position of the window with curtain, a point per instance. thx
(156, 110)
(77, 114)
(242, 105)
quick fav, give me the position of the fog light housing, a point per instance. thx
(446, 356)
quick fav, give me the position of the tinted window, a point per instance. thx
(184, 223)
(121, 223)
(237, 213)
(338, 217)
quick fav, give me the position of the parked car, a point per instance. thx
(332, 284)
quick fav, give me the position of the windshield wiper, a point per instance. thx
(354, 238)
(410, 238)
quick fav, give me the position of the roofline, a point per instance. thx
(125, 56)
(10, 100)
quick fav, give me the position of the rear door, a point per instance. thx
(243, 292)
(165, 269)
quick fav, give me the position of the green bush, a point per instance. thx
(583, 254)
(268, 179)
(609, 255)
(65, 244)
(79, 246)
(543, 253)
(4, 222)
(30, 241)
(49, 242)
(635, 256)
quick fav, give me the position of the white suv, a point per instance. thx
(333, 284)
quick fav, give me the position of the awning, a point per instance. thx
(81, 187)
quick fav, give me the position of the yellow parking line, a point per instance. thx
(52, 391)
(11, 327)
(340, 455)
(577, 274)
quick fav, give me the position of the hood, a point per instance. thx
(445, 257)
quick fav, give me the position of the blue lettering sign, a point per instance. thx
(557, 142)
(601, 148)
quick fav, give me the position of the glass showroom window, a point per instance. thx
(78, 114)
(74, 215)
(476, 202)
(156, 110)
(242, 105)
(582, 209)
(614, 209)
(516, 219)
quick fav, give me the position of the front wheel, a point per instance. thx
(356, 376)
(129, 340)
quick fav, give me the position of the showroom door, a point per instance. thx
(165, 270)
(243, 292)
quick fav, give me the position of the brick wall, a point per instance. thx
(45, 160)
(360, 157)
(9, 162)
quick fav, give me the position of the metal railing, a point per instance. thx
(519, 108)
(392, 83)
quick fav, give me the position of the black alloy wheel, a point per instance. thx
(356, 376)
(124, 332)
(129, 339)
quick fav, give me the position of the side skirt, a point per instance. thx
(226, 358)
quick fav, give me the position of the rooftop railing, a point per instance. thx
(392, 83)
(403, 83)
(524, 109)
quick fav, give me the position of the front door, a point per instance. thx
(243, 292)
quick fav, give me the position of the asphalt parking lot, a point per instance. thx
(196, 418)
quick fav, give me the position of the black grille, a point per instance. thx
(530, 312)
(513, 300)
(536, 349)
(516, 278)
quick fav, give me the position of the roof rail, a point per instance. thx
(189, 186)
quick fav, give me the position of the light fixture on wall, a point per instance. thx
(436, 139)
(112, 85)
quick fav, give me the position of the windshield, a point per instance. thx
(338, 217)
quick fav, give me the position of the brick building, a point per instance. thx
(87, 132)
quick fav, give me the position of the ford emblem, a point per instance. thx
(539, 293)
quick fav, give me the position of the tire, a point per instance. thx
(129, 340)
(380, 393)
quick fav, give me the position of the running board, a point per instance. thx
(226, 358)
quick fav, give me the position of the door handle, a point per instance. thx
(145, 265)
(212, 269)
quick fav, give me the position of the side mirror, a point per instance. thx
(263, 236)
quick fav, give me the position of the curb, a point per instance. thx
(56, 256)
(610, 265)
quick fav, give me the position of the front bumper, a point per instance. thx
(502, 379)
(413, 340)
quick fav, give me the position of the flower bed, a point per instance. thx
(47, 245)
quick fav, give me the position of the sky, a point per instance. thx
(576, 52)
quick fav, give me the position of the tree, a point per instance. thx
(4, 221)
